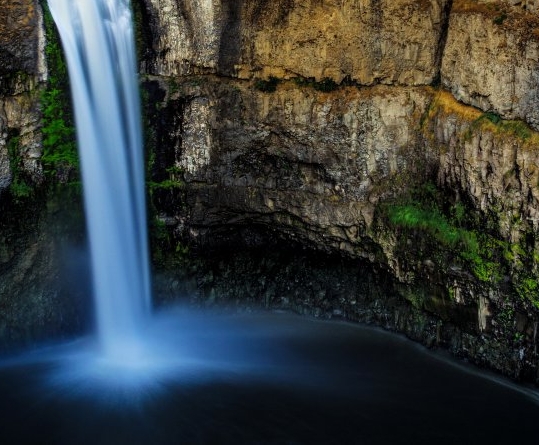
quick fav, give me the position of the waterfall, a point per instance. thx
(97, 36)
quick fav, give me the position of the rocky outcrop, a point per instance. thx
(298, 155)
(491, 59)
(370, 42)
(22, 67)
(494, 164)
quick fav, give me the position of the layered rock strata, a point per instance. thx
(286, 148)
(491, 59)
(392, 42)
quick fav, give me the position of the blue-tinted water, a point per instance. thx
(97, 37)
(258, 379)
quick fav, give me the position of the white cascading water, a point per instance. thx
(98, 41)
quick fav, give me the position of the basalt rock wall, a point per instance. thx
(22, 68)
(319, 121)
(391, 42)
(40, 240)
(484, 52)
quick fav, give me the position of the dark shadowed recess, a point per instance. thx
(231, 39)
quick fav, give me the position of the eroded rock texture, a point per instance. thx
(313, 120)
(299, 156)
(486, 50)
(491, 59)
(369, 41)
(22, 67)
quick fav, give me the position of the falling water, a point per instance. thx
(98, 41)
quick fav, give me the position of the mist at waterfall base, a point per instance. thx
(258, 378)
(183, 377)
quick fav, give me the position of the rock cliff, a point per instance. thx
(502, 44)
(35, 301)
(325, 122)
(22, 68)
(400, 134)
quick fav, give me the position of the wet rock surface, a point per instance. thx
(253, 269)
(45, 287)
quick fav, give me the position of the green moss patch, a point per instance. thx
(60, 158)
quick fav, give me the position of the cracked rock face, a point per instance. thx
(318, 166)
(485, 51)
(388, 41)
(491, 61)
(22, 67)
(299, 155)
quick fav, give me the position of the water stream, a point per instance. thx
(98, 41)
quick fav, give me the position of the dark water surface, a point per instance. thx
(258, 379)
